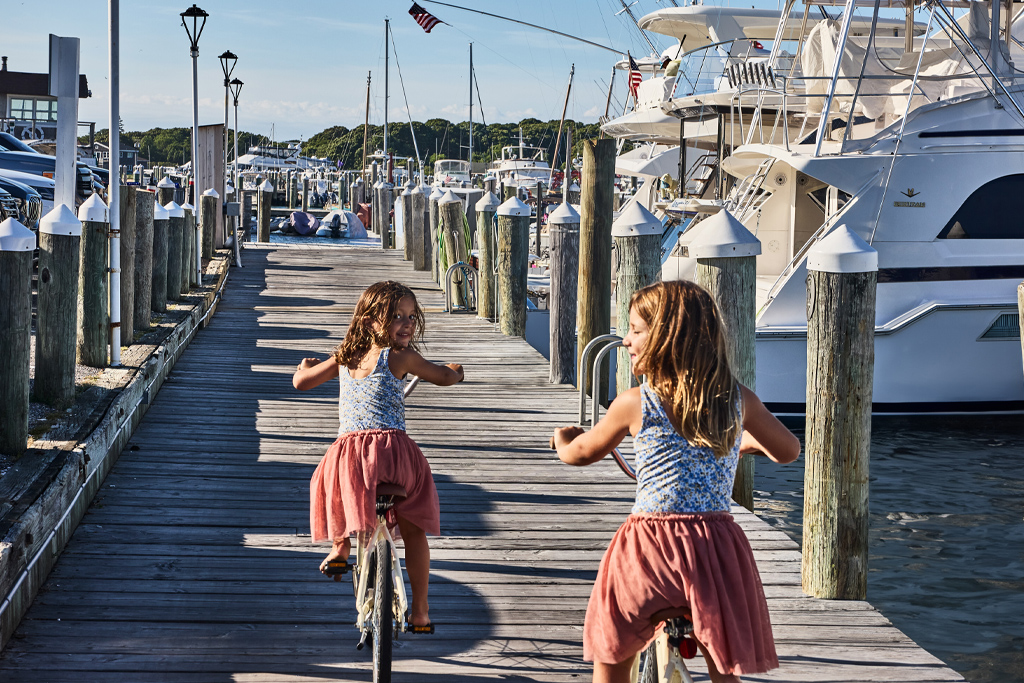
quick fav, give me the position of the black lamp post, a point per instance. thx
(194, 14)
(236, 89)
(227, 64)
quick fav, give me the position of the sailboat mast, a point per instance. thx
(366, 127)
(387, 31)
(471, 112)
(558, 138)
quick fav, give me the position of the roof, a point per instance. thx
(35, 85)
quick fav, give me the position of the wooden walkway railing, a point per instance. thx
(194, 562)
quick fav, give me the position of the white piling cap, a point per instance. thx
(229, 188)
(61, 221)
(93, 209)
(165, 182)
(436, 194)
(160, 213)
(174, 210)
(489, 202)
(842, 251)
(416, 189)
(359, 180)
(634, 222)
(564, 214)
(574, 187)
(211, 193)
(448, 198)
(514, 206)
(409, 185)
(188, 207)
(266, 186)
(16, 237)
(723, 236)
(379, 184)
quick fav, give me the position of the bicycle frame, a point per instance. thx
(364, 601)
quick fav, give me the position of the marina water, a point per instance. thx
(946, 559)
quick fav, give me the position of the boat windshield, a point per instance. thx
(451, 167)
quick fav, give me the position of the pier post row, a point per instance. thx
(127, 200)
(145, 202)
(841, 282)
(208, 220)
(435, 250)
(94, 321)
(60, 236)
(266, 193)
(419, 237)
(487, 251)
(513, 263)
(188, 248)
(564, 236)
(175, 248)
(595, 280)
(161, 244)
(16, 245)
(726, 266)
(637, 235)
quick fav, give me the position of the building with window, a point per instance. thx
(129, 154)
(27, 110)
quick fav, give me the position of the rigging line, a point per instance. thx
(517, 21)
(478, 100)
(408, 112)
(502, 57)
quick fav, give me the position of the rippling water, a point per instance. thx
(946, 559)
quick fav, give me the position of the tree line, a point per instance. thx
(435, 138)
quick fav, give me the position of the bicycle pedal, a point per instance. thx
(363, 640)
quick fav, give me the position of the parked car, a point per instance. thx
(14, 157)
(8, 206)
(30, 204)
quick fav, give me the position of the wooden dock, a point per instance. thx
(194, 563)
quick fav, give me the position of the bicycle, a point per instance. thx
(662, 661)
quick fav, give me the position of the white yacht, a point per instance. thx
(933, 181)
(279, 157)
(522, 165)
(451, 173)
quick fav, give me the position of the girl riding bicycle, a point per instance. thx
(379, 349)
(680, 547)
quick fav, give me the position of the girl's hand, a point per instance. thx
(457, 368)
(312, 372)
(308, 363)
(564, 435)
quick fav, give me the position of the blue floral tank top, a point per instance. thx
(373, 402)
(673, 475)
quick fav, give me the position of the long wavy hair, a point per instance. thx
(377, 304)
(686, 362)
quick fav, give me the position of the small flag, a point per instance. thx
(424, 18)
(757, 45)
(635, 77)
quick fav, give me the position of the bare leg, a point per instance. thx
(341, 549)
(613, 673)
(713, 672)
(417, 563)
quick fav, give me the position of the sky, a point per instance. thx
(305, 62)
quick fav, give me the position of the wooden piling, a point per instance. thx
(165, 191)
(435, 251)
(305, 194)
(508, 192)
(487, 249)
(246, 217)
(407, 220)
(420, 238)
(451, 228)
(540, 219)
(208, 220)
(266, 192)
(637, 235)
(387, 233)
(842, 276)
(572, 194)
(595, 279)
(513, 256)
(564, 236)
(726, 267)
(16, 245)
(161, 219)
(188, 258)
(127, 207)
(292, 190)
(176, 243)
(145, 201)
(93, 301)
(60, 236)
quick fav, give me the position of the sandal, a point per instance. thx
(427, 629)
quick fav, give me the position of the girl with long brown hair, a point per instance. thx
(379, 349)
(680, 547)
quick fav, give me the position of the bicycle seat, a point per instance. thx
(394, 491)
(670, 613)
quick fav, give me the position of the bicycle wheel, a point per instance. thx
(383, 619)
(649, 665)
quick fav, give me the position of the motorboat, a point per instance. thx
(522, 166)
(452, 173)
(916, 147)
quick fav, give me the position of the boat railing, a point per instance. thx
(600, 346)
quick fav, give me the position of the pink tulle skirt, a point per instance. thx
(342, 492)
(700, 560)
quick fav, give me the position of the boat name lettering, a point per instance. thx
(912, 205)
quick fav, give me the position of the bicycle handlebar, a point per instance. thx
(623, 464)
(410, 386)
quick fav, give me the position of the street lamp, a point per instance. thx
(195, 14)
(227, 64)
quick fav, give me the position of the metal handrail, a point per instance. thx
(582, 374)
(472, 274)
(595, 405)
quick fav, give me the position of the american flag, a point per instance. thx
(635, 78)
(424, 18)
